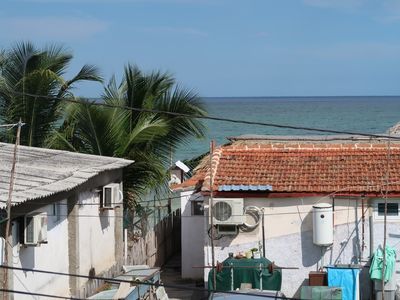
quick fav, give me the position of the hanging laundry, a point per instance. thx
(347, 279)
(375, 270)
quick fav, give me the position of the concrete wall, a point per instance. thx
(288, 228)
(192, 238)
(96, 235)
(51, 256)
(85, 240)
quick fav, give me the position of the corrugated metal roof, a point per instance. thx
(243, 187)
(42, 172)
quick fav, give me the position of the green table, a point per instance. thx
(246, 271)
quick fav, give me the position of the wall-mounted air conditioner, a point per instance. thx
(35, 229)
(228, 211)
(112, 195)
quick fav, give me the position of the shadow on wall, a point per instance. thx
(27, 257)
(311, 254)
(105, 220)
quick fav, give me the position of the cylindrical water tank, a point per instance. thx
(323, 224)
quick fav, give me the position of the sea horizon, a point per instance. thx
(367, 114)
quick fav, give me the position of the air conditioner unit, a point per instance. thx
(228, 211)
(112, 195)
(35, 229)
(227, 229)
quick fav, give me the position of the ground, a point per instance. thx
(171, 275)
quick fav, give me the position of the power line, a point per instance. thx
(38, 294)
(176, 114)
(90, 204)
(136, 282)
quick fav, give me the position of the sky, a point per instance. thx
(224, 47)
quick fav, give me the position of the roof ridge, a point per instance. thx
(214, 166)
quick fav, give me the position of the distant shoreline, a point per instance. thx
(298, 97)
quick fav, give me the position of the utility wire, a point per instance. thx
(38, 294)
(176, 114)
(180, 216)
(136, 282)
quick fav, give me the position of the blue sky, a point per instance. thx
(225, 47)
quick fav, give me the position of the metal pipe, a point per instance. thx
(371, 236)
(363, 227)
(248, 267)
(232, 285)
(263, 231)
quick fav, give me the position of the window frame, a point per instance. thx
(57, 212)
(379, 217)
(199, 204)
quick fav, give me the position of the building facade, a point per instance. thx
(275, 184)
(66, 216)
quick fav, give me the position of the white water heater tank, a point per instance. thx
(323, 224)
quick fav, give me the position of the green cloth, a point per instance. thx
(321, 293)
(270, 281)
(375, 270)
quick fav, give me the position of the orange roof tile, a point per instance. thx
(304, 167)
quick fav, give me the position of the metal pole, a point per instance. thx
(363, 227)
(385, 219)
(232, 280)
(7, 245)
(212, 218)
(263, 231)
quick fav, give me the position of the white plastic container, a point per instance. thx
(323, 224)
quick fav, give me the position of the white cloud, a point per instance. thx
(175, 30)
(58, 28)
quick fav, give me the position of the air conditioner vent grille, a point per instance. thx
(222, 211)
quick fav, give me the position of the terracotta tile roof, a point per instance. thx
(304, 167)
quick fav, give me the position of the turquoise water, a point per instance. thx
(361, 114)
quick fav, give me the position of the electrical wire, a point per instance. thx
(176, 114)
(33, 202)
(38, 294)
(138, 282)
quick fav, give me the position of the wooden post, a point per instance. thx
(7, 244)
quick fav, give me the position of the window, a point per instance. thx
(392, 209)
(393, 213)
(57, 211)
(197, 208)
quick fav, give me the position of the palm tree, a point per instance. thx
(31, 80)
(146, 137)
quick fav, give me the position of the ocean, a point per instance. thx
(360, 114)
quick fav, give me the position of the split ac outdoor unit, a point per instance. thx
(112, 195)
(228, 211)
(35, 229)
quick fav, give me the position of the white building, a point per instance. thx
(66, 215)
(281, 179)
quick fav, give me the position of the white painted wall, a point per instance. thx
(192, 228)
(51, 256)
(96, 248)
(96, 235)
(288, 227)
